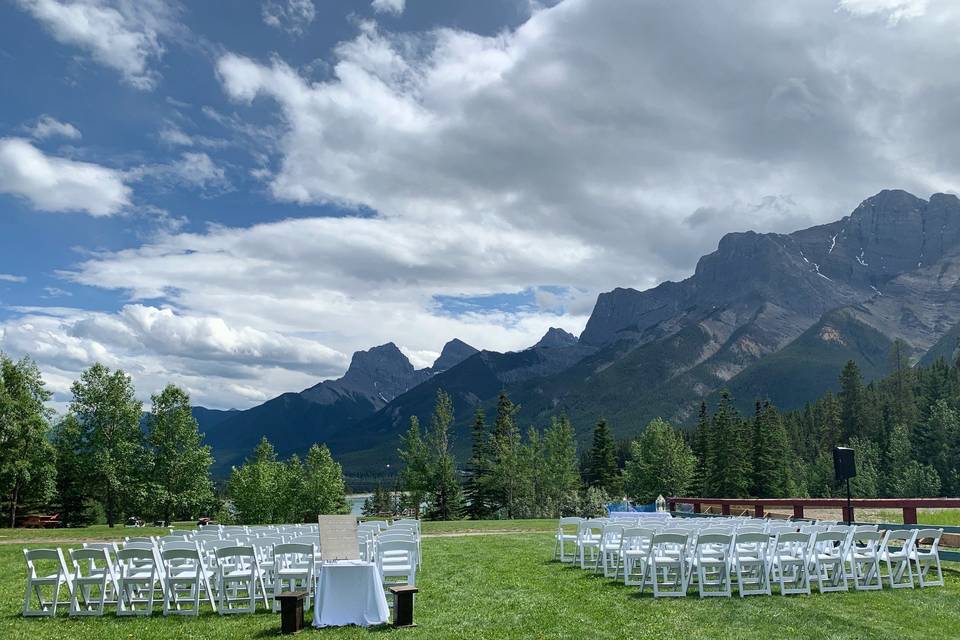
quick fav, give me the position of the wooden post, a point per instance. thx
(909, 515)
(848, 516)
(798, 511)
(672, 505)
(403, 605)
(725, 509)
(758, 510)
(696, 507)
(291, 611)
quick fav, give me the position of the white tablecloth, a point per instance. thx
(349, 592)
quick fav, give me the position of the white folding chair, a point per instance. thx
(750, 557)
(293, 570)
(93, 581)
(609, 551)
(668, 554)
(896, 552)
(789, 563)
(635, 555)
(238, 576)
(36, 581)
(137, 581)
(929, 559)
(828, 561)
(589, 533)
(864, 557)
(711, 562)
(398, 559)
(185, 577)
(566, 534)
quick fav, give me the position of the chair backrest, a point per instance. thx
(33, 556)
(234, 552)
(179, 546)
(161, 540)
(292, 548)
(899, 538)
(755, 540)
(830, 542)
(715, 542)
(139, 539)
(180, 554)
(405, 547)
(668, 538)
(144, 546)
(135, 558)
(927, 535)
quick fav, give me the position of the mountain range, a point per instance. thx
(766, 315)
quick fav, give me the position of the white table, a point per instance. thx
(349, 592)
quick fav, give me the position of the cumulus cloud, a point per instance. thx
(51, 183)
(389, 6)
(598, 144)
(293, 16)
(213, 358)
(48, 127)
(125, 35)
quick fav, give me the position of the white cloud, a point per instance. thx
(48, 126)
(893, 10)
(193, 169)
(389, 6)
(125, 35)
(50, 183)
(590, 147)
(8, 277)
(293, 16)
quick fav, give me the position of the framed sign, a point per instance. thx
(338, 538)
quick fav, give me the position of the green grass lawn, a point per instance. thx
(505, 586)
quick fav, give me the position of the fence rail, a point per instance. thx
(909, 506)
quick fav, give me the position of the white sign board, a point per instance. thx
(338, 538)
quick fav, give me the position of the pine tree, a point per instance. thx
(446, 500)
(603, 471)
(851, 402)
(415, 474)
(906, 477)
(505, 472)
(730, 447)
(478, 468)
(770, 453)
(700, 446)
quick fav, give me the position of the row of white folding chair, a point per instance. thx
(831, 556)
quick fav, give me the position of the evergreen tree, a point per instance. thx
(27, 470)
(415, 474)
(446, 500)
(505, 477)
(730, 452)
(325, 492)
(851, 401)
(477, 486)
(661, 463)
(603, 471)
(932, 439)
(700, 446)
(561, 478)
(771, 454)
(907, 478)
(106, 407)
(867, 482)
(181, 463)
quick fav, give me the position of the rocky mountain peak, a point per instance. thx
(453, 353)
(382, 362)
(555, 337)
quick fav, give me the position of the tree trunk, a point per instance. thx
(13, 504)
(110, 509)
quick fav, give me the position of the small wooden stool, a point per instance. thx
(403, 605)
(291, 611)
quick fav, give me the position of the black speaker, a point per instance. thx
(844, 465)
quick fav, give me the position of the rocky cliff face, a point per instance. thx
(453, 353)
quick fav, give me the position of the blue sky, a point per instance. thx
(235, 196)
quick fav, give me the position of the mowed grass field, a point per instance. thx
(479, 582)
